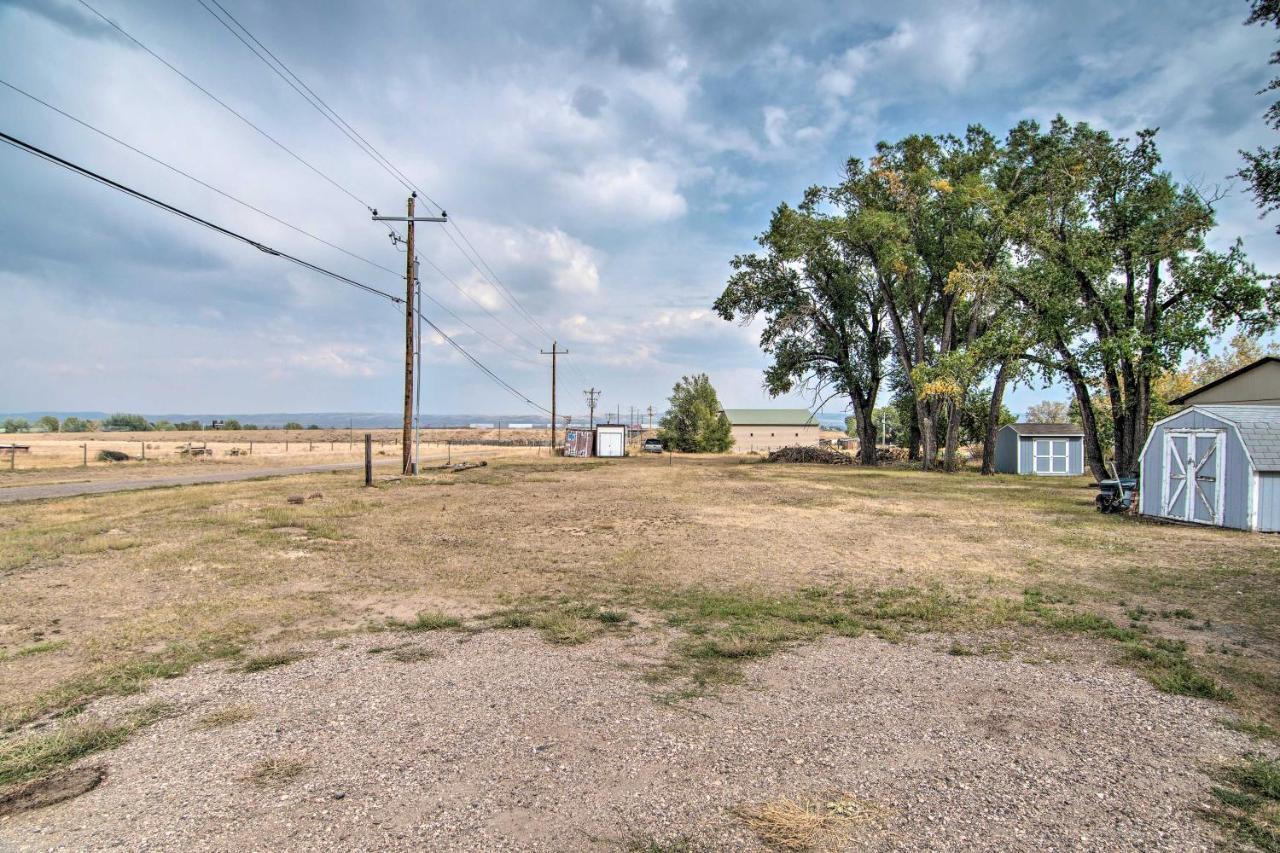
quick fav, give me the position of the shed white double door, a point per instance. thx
(1049, 456)
(1193, 469)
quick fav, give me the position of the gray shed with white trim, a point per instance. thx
(1215, 464)
(1047, 450)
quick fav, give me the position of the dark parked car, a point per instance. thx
(652, 445)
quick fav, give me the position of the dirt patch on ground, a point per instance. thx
(50, 790)
(501, 741)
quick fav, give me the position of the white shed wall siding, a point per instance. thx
(1269, 501)
(1237, 485)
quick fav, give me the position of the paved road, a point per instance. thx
(66, 490)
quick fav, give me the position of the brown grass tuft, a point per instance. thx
(813, 823)
(277, 770)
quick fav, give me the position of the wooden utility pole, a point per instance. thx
(408, 343)
(651, 419)
(410, 317)
(555, 351)
(592, 394)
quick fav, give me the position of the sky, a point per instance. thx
(605, 161)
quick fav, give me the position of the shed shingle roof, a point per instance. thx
(770, 417)
(1259, 428)
(1046, 429)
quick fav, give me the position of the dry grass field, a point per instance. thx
(74, 457)
(714, 564)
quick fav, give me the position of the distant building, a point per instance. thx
(763, 430)
(1046, 450)
(1256, 384)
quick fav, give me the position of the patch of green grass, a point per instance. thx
(1169, 670)
(38, 754)
(228, 716)
(512, 619)
(34, 649)
(118, 679)
(428, 621)
(732, 647)
(271, 660)
(1253, 728)
(960, 650)
(1248, 802)
(612, 617)
(564, 629)
(725, 628)
(413, 654)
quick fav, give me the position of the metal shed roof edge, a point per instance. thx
(1053, 430)
(1257, 427)
(770, 417)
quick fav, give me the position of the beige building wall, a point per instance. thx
(766, 438)
(1260, 386)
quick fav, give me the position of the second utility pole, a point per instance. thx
(555, 351)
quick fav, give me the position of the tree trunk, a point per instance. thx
(993, 420)
(952, 440)
(913, 436)
(1138, 413)
(1092, 447)
(927, 421)
(866, 428)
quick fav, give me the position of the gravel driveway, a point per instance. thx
(501, 741)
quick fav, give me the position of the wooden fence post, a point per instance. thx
(85, 450)
(368, 459)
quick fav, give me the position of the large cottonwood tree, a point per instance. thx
(928, 214)
(823, 312)
(1115, 274)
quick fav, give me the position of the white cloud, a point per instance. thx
(775, 125)
(627, 190)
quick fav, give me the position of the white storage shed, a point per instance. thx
(611, 440)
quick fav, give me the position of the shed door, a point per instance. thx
(1049, 456)
(1192, 488)
(610, 443)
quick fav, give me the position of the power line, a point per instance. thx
(226, 106)
(260, 246)
(478, 303)
(193, 178)
(262, 212)
(495, 377)
(308, 94)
